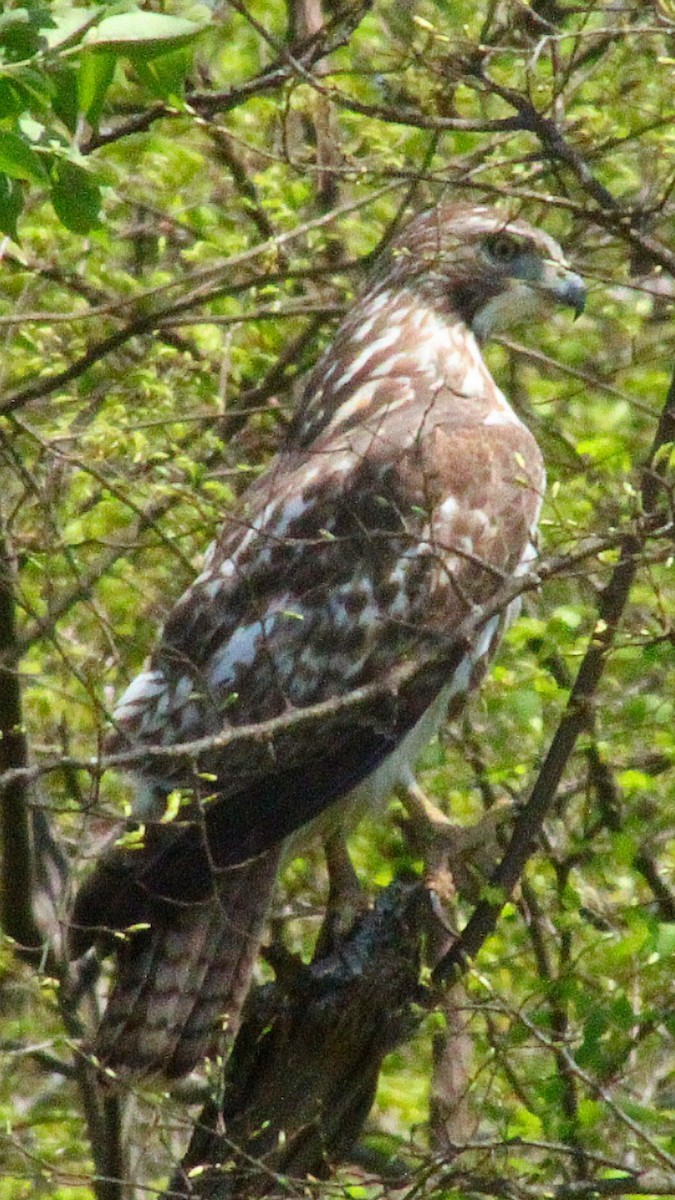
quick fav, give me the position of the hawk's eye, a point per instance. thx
(502, 248)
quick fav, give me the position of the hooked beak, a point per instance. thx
(537, 284)
(565, 287)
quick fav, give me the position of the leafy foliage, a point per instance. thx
(188, 194)
(57, 67)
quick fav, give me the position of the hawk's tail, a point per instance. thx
(181, 983)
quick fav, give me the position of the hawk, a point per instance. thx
(406, 494)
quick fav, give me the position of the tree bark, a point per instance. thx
(16, 858)
(303, 1073)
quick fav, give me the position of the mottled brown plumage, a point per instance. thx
(407, 493)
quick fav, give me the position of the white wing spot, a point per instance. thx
(183, 691)
(363, 331)
(473, 383)
(239, 651)
(485, 640)
(289, 511)
(213, 587)
(310, 474)
(189, 716)
(399, 607)
(449, 508)
(144, 688)
(461, 677)
(209, 556)
(401, 313)
(501, 416)
(362, 396)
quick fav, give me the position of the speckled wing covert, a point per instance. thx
(408, 493)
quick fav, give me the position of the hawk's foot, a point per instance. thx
(347, 899)
(456, 857)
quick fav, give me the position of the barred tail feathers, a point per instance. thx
(181, 983)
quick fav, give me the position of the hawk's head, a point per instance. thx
(476, 263)
(449, 270)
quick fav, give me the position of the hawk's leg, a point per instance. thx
(455, 856)
(346, 897)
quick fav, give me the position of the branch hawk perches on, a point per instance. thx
(407, 493)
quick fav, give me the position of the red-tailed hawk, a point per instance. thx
(408, 491)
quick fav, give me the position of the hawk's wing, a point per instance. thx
(356, 558)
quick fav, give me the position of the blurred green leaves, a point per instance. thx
(56, 69)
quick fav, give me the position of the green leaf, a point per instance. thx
(93, 80)
(71, 26)
(11, 203)
(142, 34)
(18, 160)
(132, 839)
(21, 32)
(174, 802)
(76, 197)
(36, 88)
(665, 941)
(12, 101)
(590, 1112)
(164, 76)
(65, 103)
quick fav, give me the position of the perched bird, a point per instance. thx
(406, 495)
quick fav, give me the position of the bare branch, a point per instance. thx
(16, 893)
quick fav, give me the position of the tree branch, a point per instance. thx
(307, 1058)
(17, 890)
